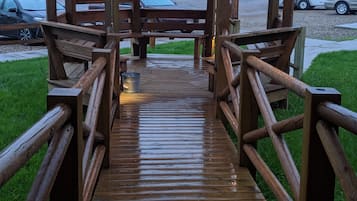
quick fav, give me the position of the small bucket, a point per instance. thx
(131, 82)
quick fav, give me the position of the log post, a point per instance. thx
(71, 12)
(115, 16)
(273, 13)
(299, 53)
(104, 119)
(51, 10)
(317, 175)
(288, 13)
(69, 181)
(248, 115)
(136, 28)
(109, 11)
(222, 25)
(210, 20)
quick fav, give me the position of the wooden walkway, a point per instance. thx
(168, 145)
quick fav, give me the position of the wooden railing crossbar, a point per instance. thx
(230, 76)
(19, 152)
(334, 150)
(280, 128)
(339, 116)
(93, 172)
(279, 143)
(93, 116)
(230, 116)
(18, 26)
(268, 176)
(51, 164)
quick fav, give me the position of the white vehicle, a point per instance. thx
(305, 4)
(342, 7)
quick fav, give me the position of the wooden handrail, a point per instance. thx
(86, 81)
(324, 105)
(19, 152)
(266, 173)
(339, 116)
(279, 76)
(342, 168)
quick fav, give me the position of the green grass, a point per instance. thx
(337, 70)
(341, 38)
(23, 90)
(180, 47)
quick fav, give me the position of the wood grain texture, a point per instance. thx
(168, 145)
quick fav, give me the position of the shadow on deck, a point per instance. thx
(168, 145)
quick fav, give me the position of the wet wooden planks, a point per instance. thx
(168, 145)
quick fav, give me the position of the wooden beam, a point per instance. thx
(222, 25)
(51, 10)
(288, 13)
(273, 14)
(71, 12)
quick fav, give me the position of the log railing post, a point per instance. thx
(222, 22)
(299, 53)
(104, 119)
(317, 176)
(248, 116)
(69, 182)
(210, 21)
(51, 10)
(273, 14)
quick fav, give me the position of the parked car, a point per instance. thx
(342, 7)
(143, 4)
(23, 11)
(305, 4)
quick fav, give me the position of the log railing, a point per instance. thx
(77, 149)
(244, 99)
(33, 28)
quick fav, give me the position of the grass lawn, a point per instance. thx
(23, 90)
(181, 47)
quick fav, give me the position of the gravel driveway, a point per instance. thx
(320, 24)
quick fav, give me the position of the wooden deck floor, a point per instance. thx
(168, 145)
